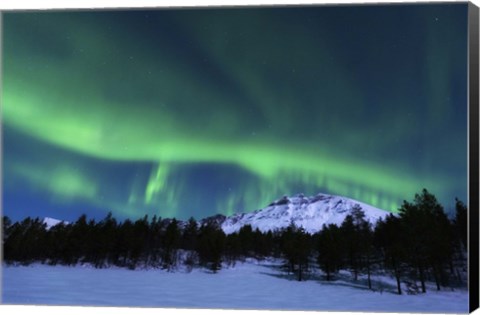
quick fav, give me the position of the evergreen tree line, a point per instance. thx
(418, 245)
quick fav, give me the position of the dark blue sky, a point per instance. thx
(204, 111)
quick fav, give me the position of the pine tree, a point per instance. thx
(427, 236)
(140, 241)
(105, 233)
(210, 246)
(190, 234)
(245, 236)
(127, 253)
(189, 242)
(170, 244)
(461, 222)
(330, 250)
(460, 235)
(77, 239)
(353, 243)
(296, 248)
(367, 250)
(155, 232)
(233, 248)
(388, 238)
(64, 254)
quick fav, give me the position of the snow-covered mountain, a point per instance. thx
(311, 213)
(51, 222)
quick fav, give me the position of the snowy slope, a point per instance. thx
(51, 222)
(311, 213)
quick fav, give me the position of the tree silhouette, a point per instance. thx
(352, 243)
(210, 246)
(170, 244)
(330, 250)
(418, 244)
(461, 222)
(427, 236)
(296, 249)
(388, 239)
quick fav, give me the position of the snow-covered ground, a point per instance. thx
(250, 285)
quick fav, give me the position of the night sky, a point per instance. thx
(195, 112)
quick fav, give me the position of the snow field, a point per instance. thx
(249, 285)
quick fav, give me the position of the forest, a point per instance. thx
(419, 244)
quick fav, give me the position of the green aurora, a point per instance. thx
(196, 112)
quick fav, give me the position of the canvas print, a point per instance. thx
(281, 158)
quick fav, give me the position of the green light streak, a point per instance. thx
(150, 105)
(64, 182)
(156, 183)
(267, 159)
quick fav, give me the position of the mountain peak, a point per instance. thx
(310, 213)
(51, 222)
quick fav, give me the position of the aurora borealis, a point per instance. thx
(194, 112)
